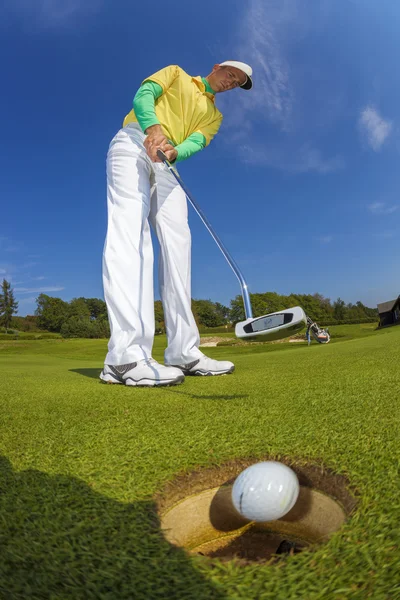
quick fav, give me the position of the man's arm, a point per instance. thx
(197, 140)
(144, 104)
(194, 143)
(144, 107)
(156, 138)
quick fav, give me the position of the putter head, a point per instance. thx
(274, 326)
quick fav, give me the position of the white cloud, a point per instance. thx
(374, 128)
(272, 93)
(40, 278)
(274, 124)
(310, 159)
(381, 208)
(260, 42)
(27, 300)
(292, 159)
(24, 290)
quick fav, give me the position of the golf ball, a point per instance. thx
(265, 491)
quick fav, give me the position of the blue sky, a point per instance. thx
(301, 183)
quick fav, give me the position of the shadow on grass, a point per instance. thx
(92, 373)
(61, 539)
(204, 397)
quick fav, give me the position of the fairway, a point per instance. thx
(80, 464)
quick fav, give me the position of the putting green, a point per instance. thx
(80, 463)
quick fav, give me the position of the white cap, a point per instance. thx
(247, 70)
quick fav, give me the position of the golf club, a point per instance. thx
(269, 327)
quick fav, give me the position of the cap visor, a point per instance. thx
(248, 84)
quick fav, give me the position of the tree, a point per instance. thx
(262, 304)
(207, 314)
(78, 307)
(158, 311)
(51, 312)
(159, 317)
(223, 312)
(27, 323)
(339, 309)
(77, 327)
(102, 327)
(82, 327)
(97, 308)
(8, 304)
(237, 310)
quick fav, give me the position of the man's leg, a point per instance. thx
(128, 268)
(169, 218)
(128, 252)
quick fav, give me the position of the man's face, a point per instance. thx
(225, 78)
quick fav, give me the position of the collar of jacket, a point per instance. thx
(197, 80)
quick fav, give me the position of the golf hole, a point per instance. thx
(197, 514)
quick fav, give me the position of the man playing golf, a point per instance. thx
(176, 113)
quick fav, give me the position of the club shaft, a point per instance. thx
(245, 293)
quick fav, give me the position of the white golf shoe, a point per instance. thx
(207, 366)
(144, 373)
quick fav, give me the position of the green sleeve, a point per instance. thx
(194, 143)
(143, 104)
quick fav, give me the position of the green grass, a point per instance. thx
(28, 335)
(80, 463)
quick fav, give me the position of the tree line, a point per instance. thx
(87, 317)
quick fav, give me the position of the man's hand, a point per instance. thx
(171, 153)
(156, 140)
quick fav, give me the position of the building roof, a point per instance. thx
(387, 306)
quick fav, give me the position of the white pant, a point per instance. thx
(139, 191)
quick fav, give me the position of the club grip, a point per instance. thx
(162, 156)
